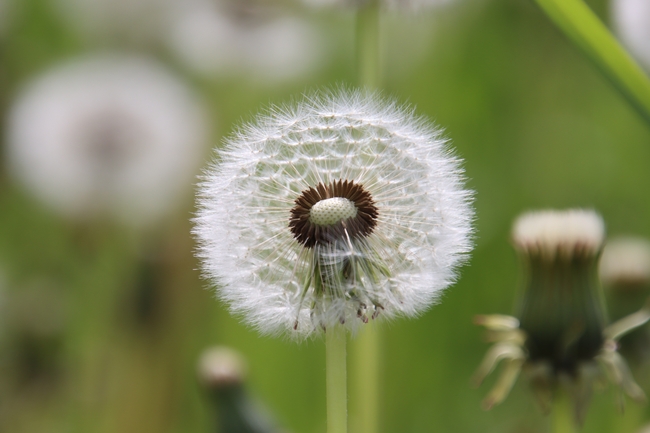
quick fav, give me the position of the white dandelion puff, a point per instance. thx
(336, 209)
(250, 37)
(127, 21)
(112, 134)
(631, 20)
(391, 4)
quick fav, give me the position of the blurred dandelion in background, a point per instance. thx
(625, 274)
(259, 39)
(631, 20)
(625, 264)
(141, 22)
(559, 336)
(222, 373)
(108, 135)
(336, 209)
(392, 4)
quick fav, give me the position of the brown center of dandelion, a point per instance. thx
(327, 213)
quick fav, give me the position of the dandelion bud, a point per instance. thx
(221, 367)
(561, 307)
(625, 265)
(337, 210)
(559, 337)
(222, 373)
(625, 274)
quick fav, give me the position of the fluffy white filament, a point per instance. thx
(423, 229)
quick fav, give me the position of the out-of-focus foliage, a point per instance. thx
(101, 326)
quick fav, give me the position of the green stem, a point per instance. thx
(562, 415)
(584, 28)
(366, 380)
(368, 57)
(336, 378)
(366, 345)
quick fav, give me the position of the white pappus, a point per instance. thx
(338, 208)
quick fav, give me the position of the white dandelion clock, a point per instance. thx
(138, 21)
(391, 4)
(108, 135)
(338, 209)
(235, 37)
(631, 19)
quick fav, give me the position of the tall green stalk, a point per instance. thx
(584, 28)
(366, 345)
(336, 380)
(562, 416)
(368, 56)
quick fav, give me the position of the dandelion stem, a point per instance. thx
(336, 378)
(366, 348)
(368, 57)
(562, 415)
(584, 28)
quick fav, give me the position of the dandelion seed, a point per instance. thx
(341, 208)
(559, 336)
(111, 135)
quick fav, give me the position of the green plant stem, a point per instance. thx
(366, 345)
(584, 28)
(562, 415)
(368, 56)
(366, 380)
(336, 380)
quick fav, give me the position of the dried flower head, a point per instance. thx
(333, 210)
(252, 37)
(631, 19)
(115, 135)
(559, 336)
(625, 263)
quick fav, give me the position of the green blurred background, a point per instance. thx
(537, 126)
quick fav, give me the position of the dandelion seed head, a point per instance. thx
(391, 4)
(286, 267)
(553, 233)
(108, 135)
(253, 38)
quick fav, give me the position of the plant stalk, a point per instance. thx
(583, 27)
(336, 380)
(368, 55)
(562, 415)
(366, 345)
